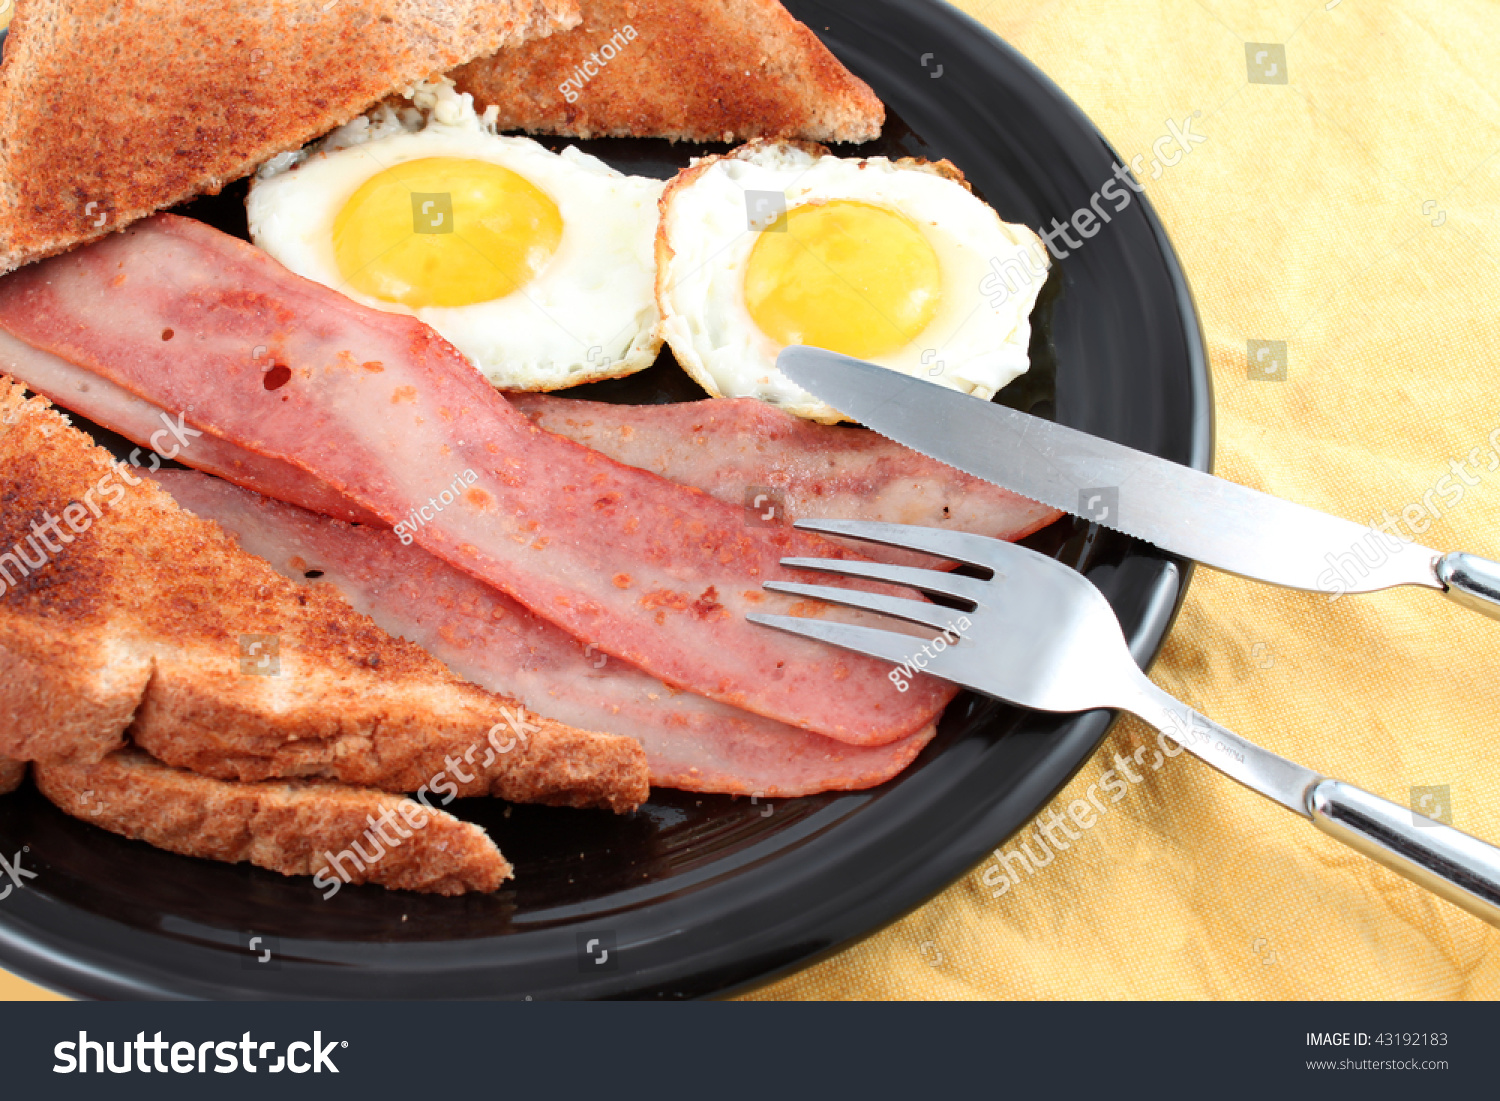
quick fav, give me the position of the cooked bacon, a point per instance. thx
(742, 451)
(169, 437)
(755, 456)
(383, 410)
(691, 743)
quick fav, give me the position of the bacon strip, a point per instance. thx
(755, 456)
(383, 410)
(691, 743)
(140, 422)
(741, 451)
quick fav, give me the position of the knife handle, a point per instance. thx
(1450, 864)
(1471, 581)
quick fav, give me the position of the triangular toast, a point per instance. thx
(111, 109)
(689, 70)
(298, 828)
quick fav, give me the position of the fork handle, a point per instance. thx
(1450, 864)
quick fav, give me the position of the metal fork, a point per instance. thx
(1041, 636)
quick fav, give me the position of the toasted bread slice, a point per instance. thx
(294, 829)
(238, 661)
(689, 70)
(63, 694)
(70, 677)
(11, 775)
(111, 109)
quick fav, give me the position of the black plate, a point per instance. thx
(696, 895)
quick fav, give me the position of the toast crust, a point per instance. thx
(694, 70)
(115, 108)
(11, 775)
(69, 680)
(287, 828)
(397, 740)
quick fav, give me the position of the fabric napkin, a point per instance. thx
(1344, 216)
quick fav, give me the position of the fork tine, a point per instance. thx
(976, 550)
(913, 611)
(927, 581)
(886, 645)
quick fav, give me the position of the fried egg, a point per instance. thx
(536, 265)
(895, 262)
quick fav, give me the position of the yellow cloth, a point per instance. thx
(1303, 219)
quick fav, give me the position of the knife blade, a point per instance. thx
(1187, 512)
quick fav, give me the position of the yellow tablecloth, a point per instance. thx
(1350, 212)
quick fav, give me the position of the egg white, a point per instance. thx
(976, 342)
(590, 313)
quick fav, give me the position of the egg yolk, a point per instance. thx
(848, 276)
(444, 231)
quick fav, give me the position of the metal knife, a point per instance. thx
(1181, 510)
